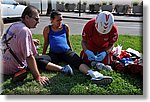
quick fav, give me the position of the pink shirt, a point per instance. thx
(21, 44)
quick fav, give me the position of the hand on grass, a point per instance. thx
(43, 80)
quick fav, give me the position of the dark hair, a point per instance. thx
(29, 11)
(54, 13)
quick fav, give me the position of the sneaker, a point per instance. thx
(20, 75)
(104, 80)
(98, 78)
(67, 70)
(101, 66)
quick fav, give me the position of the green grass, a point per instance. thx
(78, 84)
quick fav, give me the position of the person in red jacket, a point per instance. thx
(98, 38)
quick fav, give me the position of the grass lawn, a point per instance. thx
(80, 84)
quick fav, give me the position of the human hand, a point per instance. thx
(100, 56)
(36, 42)
(90, 55)
(43, 80)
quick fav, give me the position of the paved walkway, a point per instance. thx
(137, 28)
(119, 18)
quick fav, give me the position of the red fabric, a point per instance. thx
(132, 69)
(135, 69)
(123, 54)
(97, 42)
(118, 66)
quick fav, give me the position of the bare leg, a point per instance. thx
(53, 67)
(65, 69)
(84, 68)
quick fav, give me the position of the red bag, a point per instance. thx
(135, 69)
(132, 69)
(118, 66)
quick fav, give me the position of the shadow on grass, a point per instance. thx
(134, 80)
(8, 85)
(62, 84)
(78, 84)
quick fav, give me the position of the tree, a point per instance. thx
(49, 9)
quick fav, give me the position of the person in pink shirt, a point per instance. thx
(23, 46)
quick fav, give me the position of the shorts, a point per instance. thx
(68, 57)
(42, 61)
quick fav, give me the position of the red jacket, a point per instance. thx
(97, 42)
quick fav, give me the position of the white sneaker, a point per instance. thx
(98, 78)
(108, 68)
(101, 66)
(94, 74)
